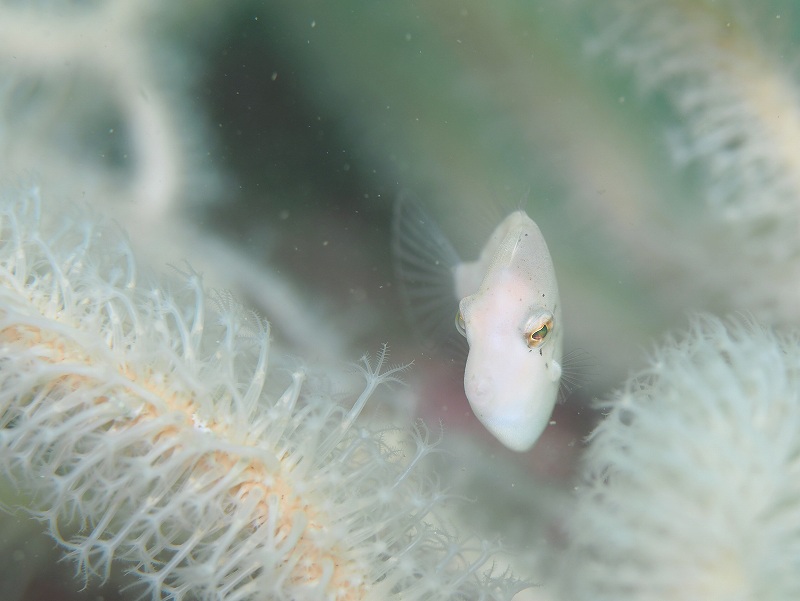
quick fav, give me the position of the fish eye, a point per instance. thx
(538, 329)
(461, 325)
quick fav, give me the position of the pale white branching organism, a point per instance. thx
(721, 67)
(93, 96)
(150, 425)
(692, 484)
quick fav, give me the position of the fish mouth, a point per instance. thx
(513, 435)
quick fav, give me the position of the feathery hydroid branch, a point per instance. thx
(692, 484)
(735, 95)
(736, 103)
(150, 428)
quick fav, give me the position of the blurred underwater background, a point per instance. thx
(263, 145)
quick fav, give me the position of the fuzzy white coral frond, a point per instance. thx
(144, 419)
(690, 489)
(735, 103)
(149, 428)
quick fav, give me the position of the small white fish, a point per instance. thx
(509, 312)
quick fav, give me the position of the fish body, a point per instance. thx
(509, 313)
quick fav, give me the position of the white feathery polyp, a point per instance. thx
(721, 67)
(145, 421)
(691, 488)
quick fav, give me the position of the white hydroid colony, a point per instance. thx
(692, 484)
(149, 427)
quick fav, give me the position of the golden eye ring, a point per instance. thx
(537, 332)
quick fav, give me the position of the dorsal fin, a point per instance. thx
(424, 261)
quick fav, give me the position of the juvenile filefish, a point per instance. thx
(508, 309)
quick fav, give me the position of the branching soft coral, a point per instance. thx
(91, 95)
(721, 68)
(148, 425)
(691, 485)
